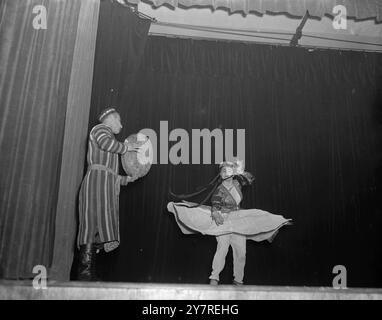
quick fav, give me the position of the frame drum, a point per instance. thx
(138, 164)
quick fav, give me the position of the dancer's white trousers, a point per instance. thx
(238, 243)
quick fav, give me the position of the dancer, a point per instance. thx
(99, 193)
(231, 225)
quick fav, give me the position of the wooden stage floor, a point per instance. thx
(154, 291)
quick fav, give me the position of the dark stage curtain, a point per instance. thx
(313, 138)
(121, 38)
(35, 67)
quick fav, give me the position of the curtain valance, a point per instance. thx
(359, 9)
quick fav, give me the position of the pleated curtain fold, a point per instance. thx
(44, 46)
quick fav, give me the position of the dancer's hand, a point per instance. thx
(218, 218)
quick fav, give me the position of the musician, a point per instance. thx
(99, 193)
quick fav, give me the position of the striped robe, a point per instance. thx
(99, 193)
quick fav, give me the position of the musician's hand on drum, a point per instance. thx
(217, 217)
(131, 147)
(127, 179)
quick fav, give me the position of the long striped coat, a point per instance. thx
(99, 193)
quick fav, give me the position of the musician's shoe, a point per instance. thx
(87, 263)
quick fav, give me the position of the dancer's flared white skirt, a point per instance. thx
(255, 224)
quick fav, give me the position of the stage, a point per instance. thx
(15, 290)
